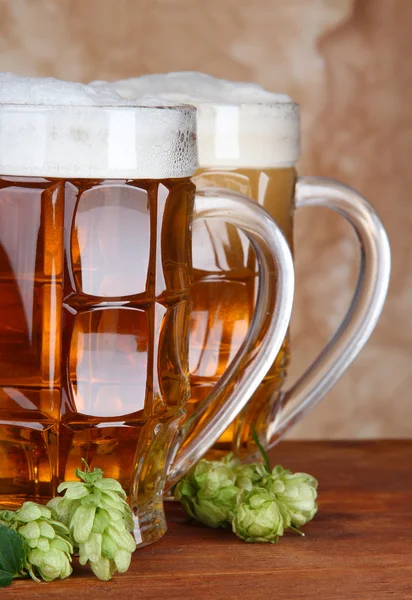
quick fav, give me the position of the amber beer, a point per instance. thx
(224, 291)
(248, 142)
(85, 391)
(94, 297)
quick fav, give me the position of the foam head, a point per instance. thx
(52, 128)
(239, 124)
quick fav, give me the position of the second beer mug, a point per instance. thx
(249, 142)
(96, 208)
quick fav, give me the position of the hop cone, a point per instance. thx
(259, 517)
(209, 492)
(100, 521)
(296, 494)
(47, 542)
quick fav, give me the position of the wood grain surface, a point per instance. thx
(359, 546)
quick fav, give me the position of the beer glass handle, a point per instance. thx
(266, 332)
(364, 310)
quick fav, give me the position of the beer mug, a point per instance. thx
(249, 143)
(96, 209)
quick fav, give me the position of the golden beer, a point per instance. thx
(94, 310)
(225, 280)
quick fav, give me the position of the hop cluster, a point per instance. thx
(99, 519)
(47, 542)
(209, 492)
(258, 503)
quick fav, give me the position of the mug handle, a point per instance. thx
(364, 310)
(266, 332)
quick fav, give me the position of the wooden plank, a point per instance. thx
(359, 546)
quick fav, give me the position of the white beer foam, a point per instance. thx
(52, 128)
(239, 124)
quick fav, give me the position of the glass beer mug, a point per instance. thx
(248, 142)
(96, 208)
(255, 152)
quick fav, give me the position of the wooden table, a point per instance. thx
(359, 546)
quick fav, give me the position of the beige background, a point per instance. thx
(348, 64)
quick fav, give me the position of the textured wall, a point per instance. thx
(348, 64)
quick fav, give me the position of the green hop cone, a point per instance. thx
(47, 542)
(296, 494)
(259, 517)
(209, 492)
(100, 521)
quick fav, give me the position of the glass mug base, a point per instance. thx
(149, 521)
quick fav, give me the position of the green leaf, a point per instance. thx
(5, 578)
(261, 448)
(11, 551)
(12, 555)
